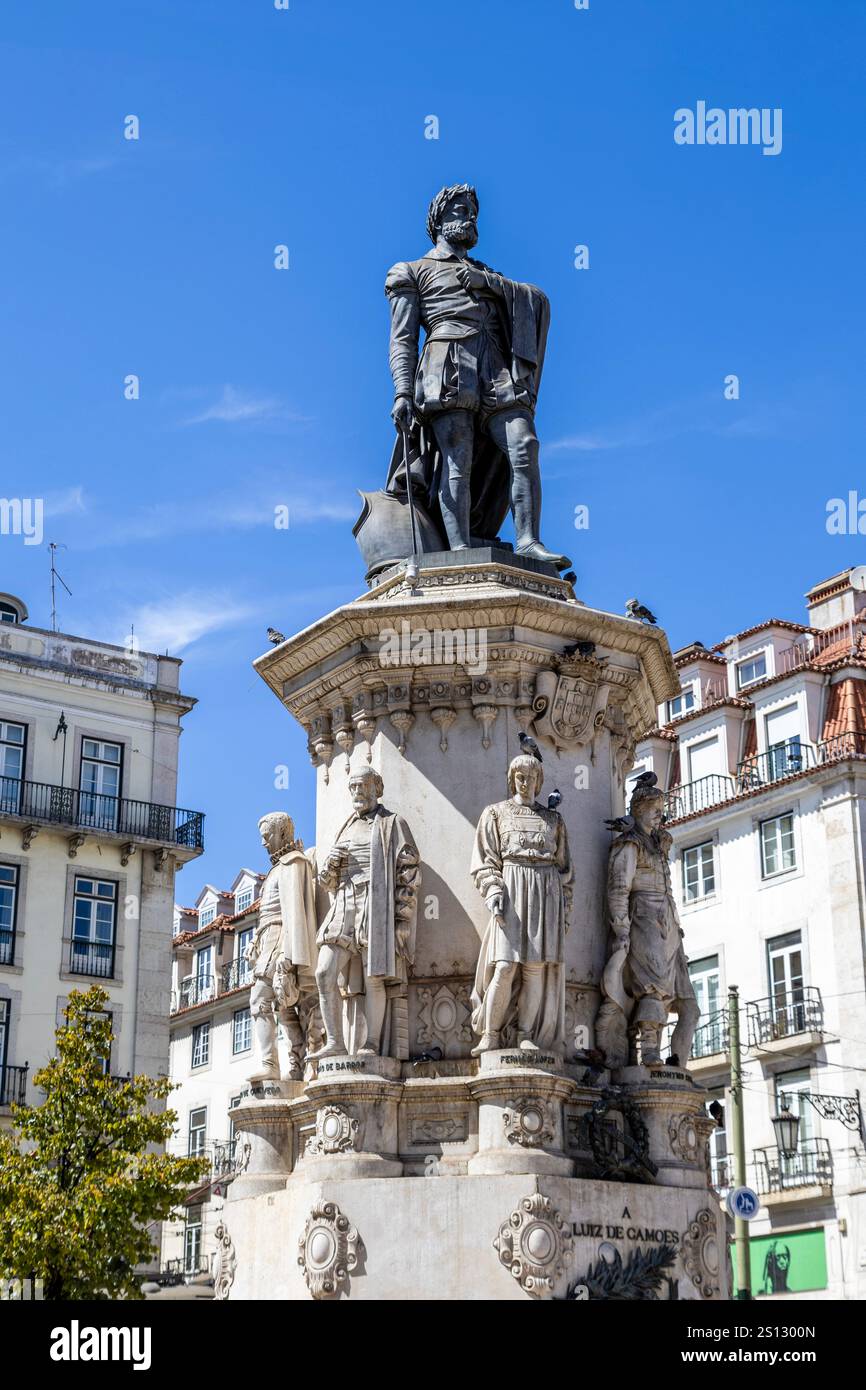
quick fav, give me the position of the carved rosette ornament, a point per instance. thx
(527, 1123)
(699, 1248)
(535, 1244)
(685, 1138)
(224, 1262)
(328, 1251)
(335, 1131)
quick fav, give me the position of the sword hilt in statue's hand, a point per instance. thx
(403, 413)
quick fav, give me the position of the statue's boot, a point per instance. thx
(333, 1045)
(650, 1045)
(526, 505)
(454, 505)
(488, 1042)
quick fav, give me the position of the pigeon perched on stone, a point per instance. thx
(554, 799)
(275, 637)
(646, 779)
(434, 1055)
(621, 823)
(579, 649)
(528, 745)
(637, 610)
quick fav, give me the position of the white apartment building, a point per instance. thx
(90, 839)
(763, 755)
(211, 1053)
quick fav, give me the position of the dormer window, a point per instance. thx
(243, 899)
(206, 916)
(682, 703)
(8, 614)
(754, 668)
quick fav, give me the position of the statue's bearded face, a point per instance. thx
(363, 794)
(459, 223)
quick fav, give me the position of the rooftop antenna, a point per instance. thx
(53, 547)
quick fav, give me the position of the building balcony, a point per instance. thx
(722, 1171)
(194, 990)
(92, 958)
(7, 947)
(787, 1023)
(709, 1053)
(34, 804)
(846, 639)
(763, 769)
(13, 1085)
(237, 973)
(851, 744)
(806, 1176)
(695, 796)
(203, 989)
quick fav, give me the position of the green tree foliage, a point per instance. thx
(79, 1190)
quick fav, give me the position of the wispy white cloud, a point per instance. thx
(236, 407)
(704, 416)
(69, 502)
(176, 623)
(231, 511)
(57, 173)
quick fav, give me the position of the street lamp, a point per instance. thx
(846, 1109)
(787, 1130)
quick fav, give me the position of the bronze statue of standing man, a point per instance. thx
(465, 402)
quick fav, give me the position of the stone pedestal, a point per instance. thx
(433, 1173)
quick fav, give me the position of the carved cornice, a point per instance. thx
(332, 676)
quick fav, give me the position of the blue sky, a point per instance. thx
(262, 387)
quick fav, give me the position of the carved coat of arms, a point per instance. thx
(570, 702)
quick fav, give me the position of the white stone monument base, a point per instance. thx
(474, 1237)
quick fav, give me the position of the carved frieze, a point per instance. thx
(437, 1129)
(444, 1013)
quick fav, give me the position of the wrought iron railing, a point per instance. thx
(92, 958)
(238, 972)
(7, 947)
(140, 820)
(195, 989)
(810, 1166)
(784, 1015)
(762, 769)
(848, 636)
(711, 1037)
(851, 744)
(13, 1085)
(698, 795)
(722, 1170)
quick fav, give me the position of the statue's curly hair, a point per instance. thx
(440, 203)
(286, 824)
